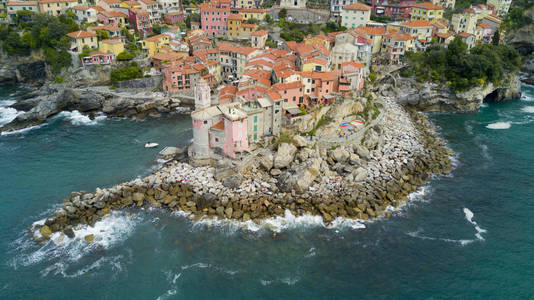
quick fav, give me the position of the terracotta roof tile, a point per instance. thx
(357, 6)
(81, 34)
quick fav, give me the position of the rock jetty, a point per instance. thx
(356, 179)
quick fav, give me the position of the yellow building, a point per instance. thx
(315, 64)
(238, 29)
(55, 7)
(80, 38)
(427, 11)
(155, 43)
(421, 29)
(253, 13)
(130, 4)
(114, 46)
(465, 22)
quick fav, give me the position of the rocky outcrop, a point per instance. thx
(28, 69)
(430, 96)
(54, 98)
(308, 180)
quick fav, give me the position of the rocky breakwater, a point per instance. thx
(433, 97)
(360, 180)
(42, 104)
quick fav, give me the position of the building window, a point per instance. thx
(255, 119)
(205, 122)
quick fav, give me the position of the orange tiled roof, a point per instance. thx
(464, 34)
(371, 30)
(357, 6)
(80, 34)
(352, 63)
(417, 23)
(253, 10)
(428, 5)
(219, 125)
(260, 33)
(287, 86)
(235, 17)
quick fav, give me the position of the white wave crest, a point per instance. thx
(469, 217)
(107, 232)
(285, 280)
(526, 97)
(76, 118)
(7, 114)
(528, 109)
(168, 294)
(278, 223)
(499, 125)
(23, 130)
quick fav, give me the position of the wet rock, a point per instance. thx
(45, 231)
(69, 233)
(89, 238)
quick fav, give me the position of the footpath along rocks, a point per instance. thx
(359, 180)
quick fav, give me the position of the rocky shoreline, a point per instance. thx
(359, 180)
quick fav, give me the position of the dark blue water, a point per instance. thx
(468, 235)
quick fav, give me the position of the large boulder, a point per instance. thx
(266, 162)
(301, 177)
(233, 181)
(361, 151)
(360, 174)
(340, 154)
(285, 155)
(300, 141)
(371, 139)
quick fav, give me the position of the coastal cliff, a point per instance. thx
(51, 99)
(29, 70)
(433, 97)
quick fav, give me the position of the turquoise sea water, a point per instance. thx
(467, 235)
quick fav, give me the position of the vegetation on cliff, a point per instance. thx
(126, 73)
(40, 32)
(462, 69)
(516, 17)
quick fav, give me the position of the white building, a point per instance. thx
(293, 3)
(355, 15)
(337, 5)
(501, 6)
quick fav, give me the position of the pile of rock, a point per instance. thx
(358, 180)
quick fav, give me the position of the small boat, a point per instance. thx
(151, 145)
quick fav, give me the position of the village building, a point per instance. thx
(174, 17)
(154, 44)
(374, 34)
(85, 14)
(396, 44)
(114, 46)
(427, 11)
(214, 17)
(13, 6)
(465, 22)
(396, 9)
(500, 7)
(79, 39)
(55, 7)
(293, 4)
(355, 15)
(98, 58)
(421, 29)
(445, 3)
(140, 21)
(352, 78)
(468, 39)
(112, 31)
(259, 38)
(114, 18)
(109, 5)
(168, 6)
(153, 10)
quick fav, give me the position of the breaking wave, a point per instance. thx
(108, 232)
(76, 118)
(528, 109)
(7, 114)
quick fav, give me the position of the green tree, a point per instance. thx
(126, 73)
(13, 44)
(125, 55)
(496, 37)
(102, 34)
(282, 14)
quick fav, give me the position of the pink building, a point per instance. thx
(397, 9)
(113, 18)
(174, 17)
(98, 58)
(292, 93)
(319, 86)
(140, 20)
(214, 16)
(351, 77)
(235, 131)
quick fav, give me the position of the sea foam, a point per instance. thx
(76, 118)
(499, 125)
(7, 114)
(108, 232)
(528, 109)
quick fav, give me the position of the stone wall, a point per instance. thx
(149, 83)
